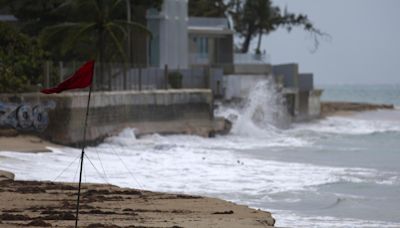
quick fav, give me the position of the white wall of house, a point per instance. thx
(170, 29)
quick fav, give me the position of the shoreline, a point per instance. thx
(25, 144)
(341, 108)
(172, 212)
(11, 140)
(42, 203)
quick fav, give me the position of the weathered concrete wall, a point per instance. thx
(314, 103)
(158, 111)
(309, 105)
(252, 69)
(289, 73)
(306, 81)
(303, 105)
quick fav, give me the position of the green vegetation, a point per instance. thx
(21, 61)
(80, 30)
(96, 31)
(252, 18)
(34, 15)
(175, 79)
(209, 8)
(77, 30)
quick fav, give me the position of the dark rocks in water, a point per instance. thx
(329, 108)
(221, 126)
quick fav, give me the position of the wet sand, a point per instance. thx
(46, 204)
(25, 143)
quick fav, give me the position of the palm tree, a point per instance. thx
(96, 29)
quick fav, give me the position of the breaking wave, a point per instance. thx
(246, 166)
(261, 112)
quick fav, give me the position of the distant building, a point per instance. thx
(169, 28)
(183, 42)
(303, 100)
(210, 41)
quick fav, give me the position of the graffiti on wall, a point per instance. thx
(24, 116)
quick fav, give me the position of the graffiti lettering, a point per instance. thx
(25, 117)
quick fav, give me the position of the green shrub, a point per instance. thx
(21, 61)
(175, 79)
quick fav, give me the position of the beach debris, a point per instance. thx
(60, 216)
(179, 196)
(39, 222)
(100, 225)
(223, 212)
(13, 217)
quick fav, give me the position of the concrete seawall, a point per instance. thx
(186, 111)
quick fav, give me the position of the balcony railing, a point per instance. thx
(247, 58)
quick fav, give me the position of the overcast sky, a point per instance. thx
(365, 43)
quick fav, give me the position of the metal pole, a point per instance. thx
(82, 156)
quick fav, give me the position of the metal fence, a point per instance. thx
(118, 76)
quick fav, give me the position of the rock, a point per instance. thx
(4, 175)
(329, 108)
(221, 126)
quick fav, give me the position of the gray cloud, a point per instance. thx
(365, 44)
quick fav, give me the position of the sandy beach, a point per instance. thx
(47, 204)
(25, 143)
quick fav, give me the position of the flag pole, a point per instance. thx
(82, 156)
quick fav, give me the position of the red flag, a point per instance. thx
(82, 78)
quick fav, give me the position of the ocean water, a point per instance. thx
(380, 94)
(341, 171)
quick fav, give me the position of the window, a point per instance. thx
(201, 46)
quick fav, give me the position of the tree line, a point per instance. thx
(252, 19)
(66, 30)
